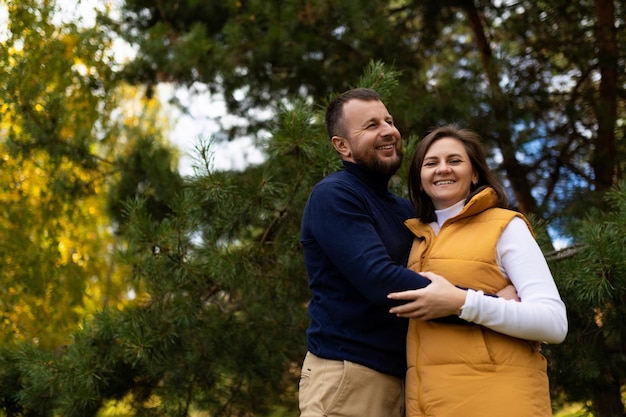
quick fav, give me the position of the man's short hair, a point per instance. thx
(334, 111)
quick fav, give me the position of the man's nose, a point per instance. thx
(388, 129)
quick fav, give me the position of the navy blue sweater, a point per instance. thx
(355, 249)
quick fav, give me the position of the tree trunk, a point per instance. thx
(515, 172)
(606, 397)
(604, 157)
(606, 400)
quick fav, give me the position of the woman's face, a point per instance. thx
(446, 173)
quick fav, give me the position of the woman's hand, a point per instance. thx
(438, 299)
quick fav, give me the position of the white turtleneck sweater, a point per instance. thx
(541, 314)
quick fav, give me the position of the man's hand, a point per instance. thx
(438, 299)
(508, 293)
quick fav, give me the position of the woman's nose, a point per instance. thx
(443, 168)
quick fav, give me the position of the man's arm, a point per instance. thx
(439, 299)
(341, 228)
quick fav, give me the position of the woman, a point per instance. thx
(464, 232)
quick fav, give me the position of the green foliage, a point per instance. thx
(501, 68)
(222, 323)
(219, 320)
(54, 81)
(381, 78)
(589, 366)
(271, 50)
(69, 151)
(64, 135)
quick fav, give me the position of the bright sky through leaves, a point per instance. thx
(187, 128)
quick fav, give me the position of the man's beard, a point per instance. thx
(375, 164)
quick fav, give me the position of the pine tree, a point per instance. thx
(590, 366)
(222, 327)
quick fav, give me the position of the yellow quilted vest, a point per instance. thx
(469, 370)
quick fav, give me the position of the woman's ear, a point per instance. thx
(342, 146)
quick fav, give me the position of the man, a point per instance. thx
(355, 248)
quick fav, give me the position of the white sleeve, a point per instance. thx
(541, 314)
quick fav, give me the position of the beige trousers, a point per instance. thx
(330, 388)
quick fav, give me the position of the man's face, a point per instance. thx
(372, 140)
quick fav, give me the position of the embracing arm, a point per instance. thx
(440, 299)
(539, 316)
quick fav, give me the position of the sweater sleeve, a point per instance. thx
(344, 228)
(541, 314)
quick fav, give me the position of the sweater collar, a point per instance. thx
(445, 214)
(375, 180)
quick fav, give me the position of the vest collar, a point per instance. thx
(482, 201)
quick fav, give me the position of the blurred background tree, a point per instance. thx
(219, 319)
(548, 111)
(70, 138)
(592, 275)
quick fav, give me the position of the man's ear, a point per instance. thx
(342, 146)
